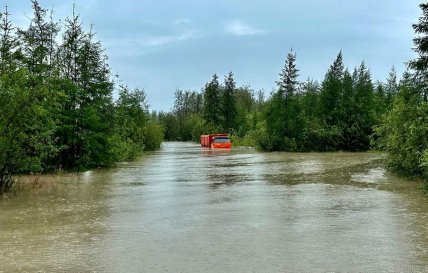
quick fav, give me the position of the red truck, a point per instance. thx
(216, 141)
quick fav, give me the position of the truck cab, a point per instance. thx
(221, 142)
(216, 141)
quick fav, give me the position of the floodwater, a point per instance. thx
(186, 209)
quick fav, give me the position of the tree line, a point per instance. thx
(56, 105)
(57, 109)
(340, 113)
(346, 111)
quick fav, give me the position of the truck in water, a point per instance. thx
(216, 141)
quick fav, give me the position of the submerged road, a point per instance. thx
(187, 209)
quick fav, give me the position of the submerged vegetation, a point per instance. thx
(57, 109)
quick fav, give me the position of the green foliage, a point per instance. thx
(275, 124)
(360, 113)
(170, 125)
(317, 137)
(404, 135)
(420, 64)
(331, 92)
(135, 131)
(38, 42)
(212, 109)
(404, 130)
(339, 114)
(228, 106)
(287, 84)
(153, 136)
(26, 126)
(56, 102)
(284, 119)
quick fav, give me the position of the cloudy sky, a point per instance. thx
(165, 45)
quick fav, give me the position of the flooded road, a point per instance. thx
(186, 209)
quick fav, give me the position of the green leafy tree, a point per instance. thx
(26, 127)
(185, 105)
(404, 135)
(404, 130)
(170, 124)
(247, 115)
(135, 130)
(31, 84)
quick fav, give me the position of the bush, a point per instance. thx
(153, 136)
(404, 135)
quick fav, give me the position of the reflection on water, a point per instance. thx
(188, 209)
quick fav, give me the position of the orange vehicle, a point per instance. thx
(216, 141)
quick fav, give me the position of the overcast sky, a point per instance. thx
(165, 45)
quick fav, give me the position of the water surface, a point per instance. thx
(187, 209)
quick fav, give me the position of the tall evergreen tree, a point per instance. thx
(283, 118)
(9, 43)
(38, 42)
(420, 64)
(287, 84)
(362, 109)
(212, 110)
(391, 87)
(330, 96)
(347, 112)
(95, 105)
(72, 42)
(229, 110)
(310, 98)
(87, 117)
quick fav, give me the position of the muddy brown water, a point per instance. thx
(187, 209)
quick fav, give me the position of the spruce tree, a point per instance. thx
(283, 116)
(87, 117)
(287, 84)
(229, 103)
(72, 42)
(391, 87)
(212, 109)
(95, 105)
(8, 43)
(38, 42)
(420, 64)
(347, 112)
(362, 109)
(330, 96)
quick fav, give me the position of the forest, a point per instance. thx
(56, 103)
(58, 112)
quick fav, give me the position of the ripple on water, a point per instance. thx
(187, 209)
